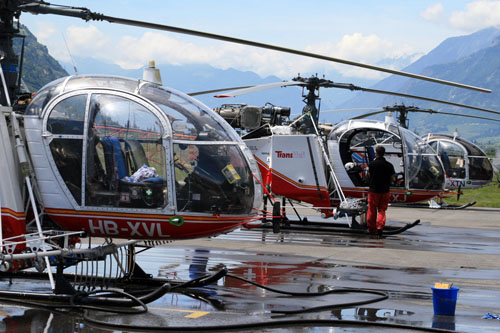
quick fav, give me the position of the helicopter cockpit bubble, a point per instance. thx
(480, 166)
(465, 163)
(94, 134)
(416, 164)
(452, 157)
(425, 169)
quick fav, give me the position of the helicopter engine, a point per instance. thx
(251, 117)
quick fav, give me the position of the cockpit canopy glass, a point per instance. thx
(190, 121)
(452, 156)
(416, 164)
(424, 169)
(45, 95)
(113, 147)
(462, 155)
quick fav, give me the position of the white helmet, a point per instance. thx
(349, 165)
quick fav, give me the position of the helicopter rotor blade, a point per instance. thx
(217, 90)
(350, 110)
(366, 115)
(348, 86)
(455, 114)
(425, 111)
(384, 92)
(259, 88)
(86, 14)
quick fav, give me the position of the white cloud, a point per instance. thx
(477, 15)
(132, 52)
(48, 34)
(45, 31)
(434, 13)
(135, 52)
(364, 49)
(86, 39)
(80, 40)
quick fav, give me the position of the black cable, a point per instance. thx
(49, 307)
(382, 296)
(78, 306)
(81, 297)
(300, 294)
(336, 306)
(77, 303)
(203, 280)
(276, 323)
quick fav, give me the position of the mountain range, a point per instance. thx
(472, 59)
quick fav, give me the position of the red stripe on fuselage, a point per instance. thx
(144, 226)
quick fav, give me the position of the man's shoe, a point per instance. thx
(379, 234)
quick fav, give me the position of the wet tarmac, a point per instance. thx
(452, 247)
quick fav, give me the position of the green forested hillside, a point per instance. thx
(39, 68)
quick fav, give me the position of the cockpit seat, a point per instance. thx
(135, 154)
(371, 153)
(119, 190)
(114, 158)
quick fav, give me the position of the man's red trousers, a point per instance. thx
(377, 202)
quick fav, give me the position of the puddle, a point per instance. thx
(422, 237)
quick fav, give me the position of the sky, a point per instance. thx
(363, 31)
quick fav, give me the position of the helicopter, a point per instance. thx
(466, 165)
(325, 167)
(113, 157)
(122, 158)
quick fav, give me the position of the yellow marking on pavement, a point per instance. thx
(193, 314)
(196, 314)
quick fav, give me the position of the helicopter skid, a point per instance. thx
(434, 206)
(306, 224)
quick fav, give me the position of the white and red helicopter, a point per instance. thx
(301, 161)
(124, 158)
(113, 157)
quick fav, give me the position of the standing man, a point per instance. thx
(381, 175)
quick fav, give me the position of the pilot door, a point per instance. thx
(357, 150)
(109, 151)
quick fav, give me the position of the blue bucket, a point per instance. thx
(444, 300)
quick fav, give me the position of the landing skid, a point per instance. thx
(307, 225)
(280, 221)
(434, 205)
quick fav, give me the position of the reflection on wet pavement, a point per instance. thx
(423, 237)
(230, 300)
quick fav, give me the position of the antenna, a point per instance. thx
(70, 56)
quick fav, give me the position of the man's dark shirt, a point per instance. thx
(381, 172)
